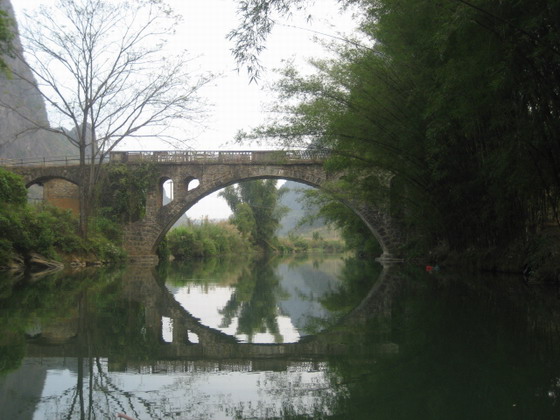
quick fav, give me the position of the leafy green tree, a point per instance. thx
(245, 221)
(476, 69)
(12, 189)
(256, 211)
(454, 101)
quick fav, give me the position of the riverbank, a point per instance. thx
(35, 265)
(538, 259)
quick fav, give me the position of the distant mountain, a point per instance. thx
(293, 199)
(18, 137)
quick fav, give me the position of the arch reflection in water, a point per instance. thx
(263, 300)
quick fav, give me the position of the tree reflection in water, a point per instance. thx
(254, 301)
(438, 347)
(260, 300)
(84, 314)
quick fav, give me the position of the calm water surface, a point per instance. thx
(322, 337)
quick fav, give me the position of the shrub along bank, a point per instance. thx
(300, 245)
(50, 232)
(206, 240)
(210, 239)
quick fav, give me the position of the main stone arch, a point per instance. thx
(142, 237)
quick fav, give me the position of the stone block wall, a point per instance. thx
(62, 194)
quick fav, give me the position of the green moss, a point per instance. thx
(123, 190)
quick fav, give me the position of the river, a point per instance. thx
(324, 337)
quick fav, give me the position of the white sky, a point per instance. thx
(235, 103)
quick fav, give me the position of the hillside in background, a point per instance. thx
(20, 101)
(293, 199)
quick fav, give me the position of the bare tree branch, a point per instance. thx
(105, 73)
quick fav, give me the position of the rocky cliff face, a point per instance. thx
(20, 103)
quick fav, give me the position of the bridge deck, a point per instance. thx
(182, 156)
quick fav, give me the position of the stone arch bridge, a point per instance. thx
(196, 174)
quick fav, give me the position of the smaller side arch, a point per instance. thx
(41, 180)
(58, 192)
(190, 183)
(165, 191)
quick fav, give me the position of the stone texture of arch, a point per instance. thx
(142, 238)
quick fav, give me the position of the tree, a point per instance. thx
(107, 73)
(257, 20)
(455, 101)
(255, 210)
(256, 24)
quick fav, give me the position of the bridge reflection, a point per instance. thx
(215, 349)
(98, 348)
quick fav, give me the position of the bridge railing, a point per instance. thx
(182, 156)
(41, 161)
(211, 156)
